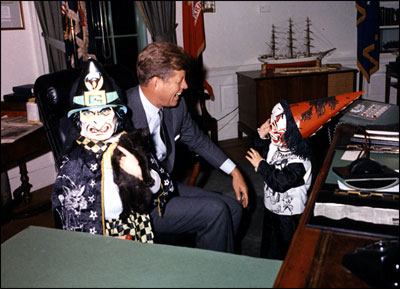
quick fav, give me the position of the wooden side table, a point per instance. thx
(18, 153)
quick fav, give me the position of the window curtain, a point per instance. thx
(49, 17)
(159, 17)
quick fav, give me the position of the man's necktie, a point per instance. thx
(164, 132)
(162, 126)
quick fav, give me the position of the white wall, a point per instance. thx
(235, 36)
(237, 32)
(22, 61)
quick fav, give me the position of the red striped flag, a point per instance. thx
(63, 8)
(193, 33)
(193, 28)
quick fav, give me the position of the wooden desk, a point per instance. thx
(21, 151)
(314, 258)
(13, 108)
(259, 93)
(43, 257)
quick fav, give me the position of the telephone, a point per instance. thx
(371, 113)
(375, 263)
(368, 110)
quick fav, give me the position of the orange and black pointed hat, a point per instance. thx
(311, 115)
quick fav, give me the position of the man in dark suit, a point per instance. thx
(215, 218)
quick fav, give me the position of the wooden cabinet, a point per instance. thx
(259, 93)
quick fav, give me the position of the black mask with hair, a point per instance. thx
(293, 139)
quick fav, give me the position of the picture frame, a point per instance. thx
(389, 39)
(209, 7)
(12, 17)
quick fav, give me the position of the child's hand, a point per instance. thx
(130, 164)
(264, 129)
(126, 237)
(119, 237)
(254, 157)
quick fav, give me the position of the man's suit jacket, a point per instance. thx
(180, 126)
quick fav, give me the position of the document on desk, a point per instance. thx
(336, 211)
(14, 128)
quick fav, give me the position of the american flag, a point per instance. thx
(63, 8)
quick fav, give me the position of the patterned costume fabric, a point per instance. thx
(137, 225)
(77, 200)
(287, 177)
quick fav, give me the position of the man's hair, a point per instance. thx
(161, 59)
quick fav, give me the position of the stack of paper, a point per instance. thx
(378, 140)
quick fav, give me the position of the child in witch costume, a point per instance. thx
(87, 195)
(282, 156)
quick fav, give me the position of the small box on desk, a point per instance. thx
(25, 89)
(17, 97)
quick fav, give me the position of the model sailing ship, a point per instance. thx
(292, 58)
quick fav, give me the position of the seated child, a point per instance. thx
(86, 197)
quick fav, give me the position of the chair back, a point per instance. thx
(52, 93)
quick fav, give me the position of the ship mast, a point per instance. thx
(273, 41)
(290, 38)
(308, 37)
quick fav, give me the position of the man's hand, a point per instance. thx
(254, 157)
(129, 163)
(240, 187)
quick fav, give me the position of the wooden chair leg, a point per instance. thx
(194, 174)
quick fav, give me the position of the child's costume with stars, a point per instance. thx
(85, 197)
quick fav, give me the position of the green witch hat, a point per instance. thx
(95, 89)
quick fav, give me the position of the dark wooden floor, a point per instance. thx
(36, 213)
(235, 148)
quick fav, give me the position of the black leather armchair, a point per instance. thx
(196, 98)
(196, 102)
